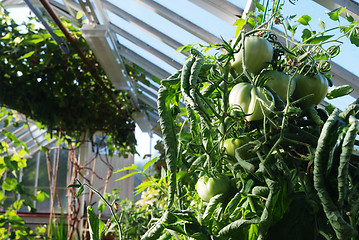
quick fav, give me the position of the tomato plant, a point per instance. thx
(299, 169)
(208, 187)
(279, 82)
(258, 54)
(231, 144)
(314, 88)
(252, 100)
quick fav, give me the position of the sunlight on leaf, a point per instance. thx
(132, 167)
(305, 19)
(149, 163)
(339, 91)
(239, 23)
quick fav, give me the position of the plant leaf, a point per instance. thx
(81, 189)
(339, 91)
(305, 19)
(350, 18)
(259, 6)
(320, 39)
(27, 55)
(96, 225)
(143, 185)
(239, 23)
(321, 24)
(126, 176)
(306, 34)
(354, 39)
(132, 167)
(149, 163)
(334, 14)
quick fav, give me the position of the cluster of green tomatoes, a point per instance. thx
(255, 100)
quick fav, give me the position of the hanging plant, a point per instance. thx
(40, 81)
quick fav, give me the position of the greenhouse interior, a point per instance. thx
(191, 119)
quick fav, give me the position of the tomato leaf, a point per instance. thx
(350, 18)
(251, 23)
(18, 203)
(239, 23)
(9, 184)
(334, 14)
(260, 18)
(320, 39)
(354, 39)
(321, 24)
(306, 34)
(41, 196)
(259, 6)
(339, 91)
(305, 19)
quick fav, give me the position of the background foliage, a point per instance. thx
(40, 81)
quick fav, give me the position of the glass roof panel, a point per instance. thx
(149, 40)
(157, 22)
(242, 4)
(150, 57)
(199, 16)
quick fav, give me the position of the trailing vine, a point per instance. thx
(40, 81)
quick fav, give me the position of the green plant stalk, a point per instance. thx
(108, 205)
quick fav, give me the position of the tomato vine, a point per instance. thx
(296, 152)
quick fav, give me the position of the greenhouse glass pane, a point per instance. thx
(155, 60)
(62, 169)
(43, 176)
(44, 206)
(60, 202)
(200, 17)
(157, 22)
(29, 172)
(149, 40)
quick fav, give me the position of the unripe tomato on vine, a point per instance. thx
(258, 54)
(254, 101)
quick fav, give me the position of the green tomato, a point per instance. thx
(316, 85)
(248, 98)
(231, 144)
(279, 81)
(258, 54)
(208, 187)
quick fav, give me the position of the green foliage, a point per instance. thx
(299, 170)
(301, 181)
(40, 81)
(96, 225)
(12, 226)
